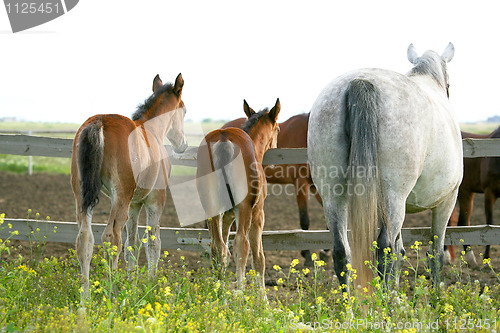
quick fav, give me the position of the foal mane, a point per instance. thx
(150, 101)
(253, 120)
(426, 65)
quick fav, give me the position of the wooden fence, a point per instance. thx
(54, 147)
(198, 239)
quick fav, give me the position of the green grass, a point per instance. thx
(51, 165)
(41, 164)
(44, 295)
(479, 127)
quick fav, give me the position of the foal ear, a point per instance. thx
(448, 53)
(412, 54)
(248, 110)
(157, 83)
(273, 114)
(179, 83)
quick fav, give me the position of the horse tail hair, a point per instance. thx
(224, 152)
(90, 155)
(366, 205)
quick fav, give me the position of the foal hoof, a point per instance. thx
(308, 262)
(325, 256)
(470, 258)
(447, 258)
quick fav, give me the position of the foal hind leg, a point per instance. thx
(218, 248)
(154, 207)
(227, 222)
(466, 203)
(85, 238)
(489, 202)
(302, 193)
(255, 237)
(117, 218)
(84, 246)
(440, 217)
(132, 243)
(449, 250)
(241, 245)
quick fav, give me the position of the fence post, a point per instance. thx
(30, 160)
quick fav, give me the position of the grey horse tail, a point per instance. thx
(224, 152)
(366, 206)
(90, 155)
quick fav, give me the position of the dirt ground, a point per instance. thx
(51, 195)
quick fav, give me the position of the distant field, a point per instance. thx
(194, 132)
(35, 126)
(479, 128)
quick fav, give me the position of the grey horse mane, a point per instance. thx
(426, 65)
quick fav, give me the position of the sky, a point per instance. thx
(102, 56)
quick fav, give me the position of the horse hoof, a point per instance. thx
(325, 256)
(308, 262)
(470, 258)
(447, 258)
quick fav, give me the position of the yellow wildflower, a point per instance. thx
(320, 263)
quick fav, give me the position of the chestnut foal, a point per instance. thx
(126, 159)
(230, 175)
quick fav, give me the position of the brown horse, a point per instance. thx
(481, 175)
(126, 159)
(293, 134)
(230, 176)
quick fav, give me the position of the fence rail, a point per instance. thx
(193, 239)
(55, 147)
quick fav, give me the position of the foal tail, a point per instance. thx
(90, 154)
(366, 205)
(223, 155)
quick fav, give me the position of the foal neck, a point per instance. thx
(260, 143)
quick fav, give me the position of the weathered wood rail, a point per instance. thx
(193, 239)
(55, 147)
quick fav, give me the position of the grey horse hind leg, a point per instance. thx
(440, 216)
(336, 218)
